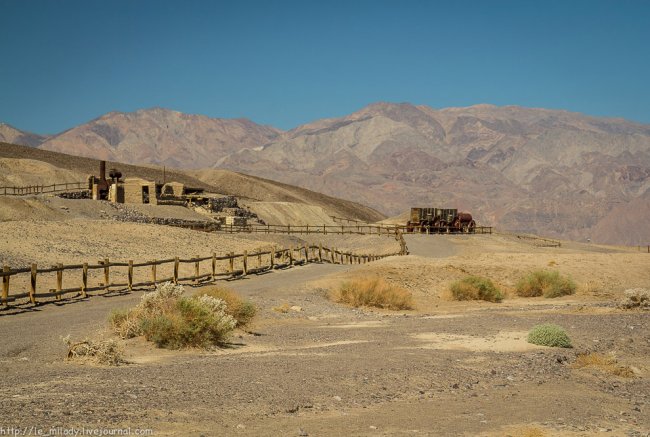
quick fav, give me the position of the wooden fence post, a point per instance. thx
(245, 262)
(153, 272)
(5, 286)
(306, 254)
(289, 229)
(320, 252)
(214, 265)
(107, 278)
(196, 269)
(84, 279)
(59, 281)
(129, 276)
(259, 260)
(272, 257)
(32, 289)
(175, 279)
(231, 261)
(290, 256)
(332, 255)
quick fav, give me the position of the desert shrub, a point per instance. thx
(373, 292)
(105, 352)
(241, 310)
(636, 298)
(546, 283)
(475, 288)
(548, 334)
(173, 321)
(604, 363)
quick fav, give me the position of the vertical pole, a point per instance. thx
(290, 256)
(153, 272)
(259, 260)
(130, 276)
(272, 257)
(59, 281)
(5, 286)
(196, 268)
(324, 230)
(214, 265)
(332, 255)
(175, 279)
(320, 252)
(32, 288)
(84, 279)
(245, 262)
(231, 261)
(289, 229)
(107, 280)
(306, 254)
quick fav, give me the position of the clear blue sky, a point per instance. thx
(284, 63)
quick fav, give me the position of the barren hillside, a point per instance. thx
(535, 170)
(25, 166)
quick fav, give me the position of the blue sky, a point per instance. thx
(285, 63)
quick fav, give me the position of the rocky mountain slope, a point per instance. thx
(548, 172)
(161, 136)
(543, 171)
(10, 134)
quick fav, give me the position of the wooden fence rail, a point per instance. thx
(38, 189)
(263, 260)
(361, 229)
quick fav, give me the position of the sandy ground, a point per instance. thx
(445, 368)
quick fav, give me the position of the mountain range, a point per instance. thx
(549, 172)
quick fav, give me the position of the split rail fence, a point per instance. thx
(38, 189)
(247, 263)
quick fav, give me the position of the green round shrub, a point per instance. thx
(475, 288)
(547, 283)
(549, 334)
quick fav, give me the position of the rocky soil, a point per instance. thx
(321, 368)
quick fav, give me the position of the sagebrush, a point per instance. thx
(173, 321)
(104, 352)
(240, 309)
(475, 288)
(373, 292)
(545, 283)
(548, 334)
(604, 363)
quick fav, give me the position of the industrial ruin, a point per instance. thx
(134, 190)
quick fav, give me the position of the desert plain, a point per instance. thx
(310, 366)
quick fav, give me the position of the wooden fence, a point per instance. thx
(38, 189)
(360, 229)
(248, 263)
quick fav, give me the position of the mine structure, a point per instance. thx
(439, 221)
(133, 190)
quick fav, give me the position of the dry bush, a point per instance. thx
(604, 363)
(636, 298)
(548, 334)
(105, 352)
(173, 321)
(475, 288)
(373, 292)
(545, 283)
(284, 308)
(241, 310)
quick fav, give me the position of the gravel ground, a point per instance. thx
(326, 369)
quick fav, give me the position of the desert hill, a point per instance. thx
(10, 134)
(542, 171)
(23, 165)
(161, 136)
